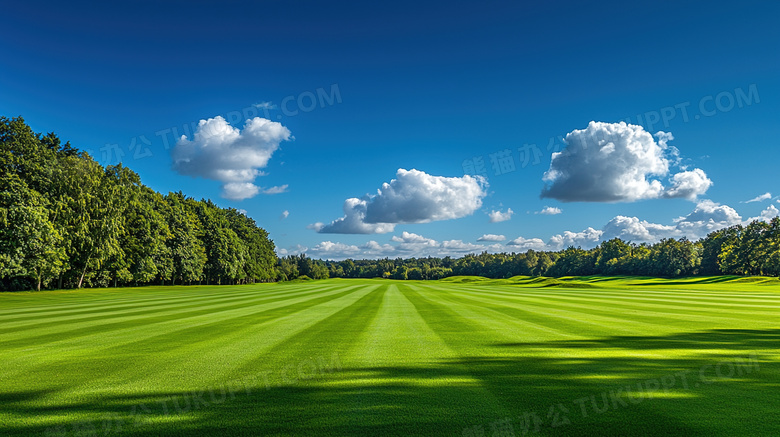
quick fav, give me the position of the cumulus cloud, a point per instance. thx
(239, 190)
(491, 237)
(708, 216)
(413, 242)
(235, 157)
(549, 210)
(761, 198)
(353, 221)
(588, 238)
(329, 247)
(766, 215)
(688, 184)
(316, 226)
(618, 162)
(633, 229)
(499, 216)
(406, 245)
(523, 244)
(412, 197)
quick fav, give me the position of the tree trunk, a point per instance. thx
(84, 272)
(81, 279)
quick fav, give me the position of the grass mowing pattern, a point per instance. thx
(373, 357)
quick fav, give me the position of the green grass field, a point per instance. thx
(460, 357)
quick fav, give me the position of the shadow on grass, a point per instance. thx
(471, 394)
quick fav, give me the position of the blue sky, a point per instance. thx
(355, 91)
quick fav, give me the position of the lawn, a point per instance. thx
(459, 357)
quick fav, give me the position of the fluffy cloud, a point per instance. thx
(688, 184)
(618, 162)
(412, 197)
(405, 245)
(766, 215)
(708, 216)
(498, 216)
(765, 196)
(227, 154)
(522, 244)
(588, 238)
(491, 237)
(549, 210)
(633, 229)
(329, 247)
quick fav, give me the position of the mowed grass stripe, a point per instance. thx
(489, 318)
(149, 310)
(310, 363)
(222, 348)
(638, 295)
(680, 310)
(666, 309)
(174, 327)
(397, 361)
(641, 312)
(101, 323)
(193, 295)
(578, 317)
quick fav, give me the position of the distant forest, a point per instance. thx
(739, 250)
(68, 222)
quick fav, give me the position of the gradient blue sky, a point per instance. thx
(422, 85)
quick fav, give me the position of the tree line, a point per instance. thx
(68, 222)
(753, 249)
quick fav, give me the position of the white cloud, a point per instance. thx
(688, 184)
(353, 221)
(498, 216)
(239, 190)
(406, 245)
(327, 249)
(316, 226)
(523, 244)
(708, 216)
(284, 214)
(412, 197)
(227, 154)
(411, 242)
(549, 210)
(635, 230)
(588, 238)
(276, 190)
(294, 250)
(766, 215)
(765, 196)
(491, 237)
(618, 162)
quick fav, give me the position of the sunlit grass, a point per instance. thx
(698, 356)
